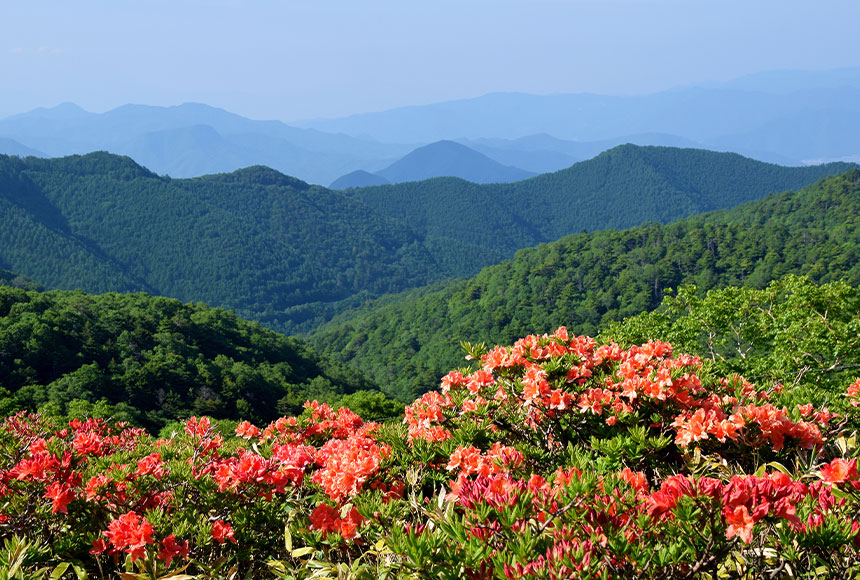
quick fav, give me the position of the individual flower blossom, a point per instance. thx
(222, 531)
(247, 431)
(740, 524)
(839, 471)
(349, 524)
(62, 495)
(325, 518)
(172, 549)
(130, 533)
(152, 465)
(99, 546)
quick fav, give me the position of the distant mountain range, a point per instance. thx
(12, 147)
(193, 139)
(291, 255)
(785, 117)
(752, 116)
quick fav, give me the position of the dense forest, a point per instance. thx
(150, 360)
(291, 255)
(625, 186)
(405, 343)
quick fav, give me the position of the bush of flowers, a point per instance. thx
(556, 457)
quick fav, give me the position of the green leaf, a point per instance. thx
(300, 552)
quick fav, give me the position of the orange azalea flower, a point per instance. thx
(839, 471)
(61, 494)
(740, 524)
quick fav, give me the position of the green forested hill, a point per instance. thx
(626, 186)
(289, 254)
(8, 278)
(152, 359)
(255, 240)
(584, 281)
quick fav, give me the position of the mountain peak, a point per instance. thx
(61, 112)
(451, 159)
(259, 175)
(358, 178)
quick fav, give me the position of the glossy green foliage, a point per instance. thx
(795, 333)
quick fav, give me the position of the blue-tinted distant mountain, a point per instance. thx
(12, 147)
(696, 113)
(187, 151)
(172, 140)
(711, 116)
(544, 153)
(358, 178)
(451, 159)
(789, 81)
(807, 135)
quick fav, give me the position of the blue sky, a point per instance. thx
(288, 60)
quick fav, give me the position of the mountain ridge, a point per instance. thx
(290, 254)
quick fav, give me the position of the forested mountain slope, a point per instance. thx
(626, 186)
(151, 360)
(584, 281)
(254, 240)
(288, 254)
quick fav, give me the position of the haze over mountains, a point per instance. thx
(747, 116)
(785, 117)
(194, 139)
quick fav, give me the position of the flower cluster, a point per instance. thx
(555, 457)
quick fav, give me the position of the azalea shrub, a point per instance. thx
(556, 457)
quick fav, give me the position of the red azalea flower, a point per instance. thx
(172, 549)
(325, 519)
(62, 494)
(222, 531)
(740, 524)
(131, 533)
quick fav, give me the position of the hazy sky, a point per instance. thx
(294, 59)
